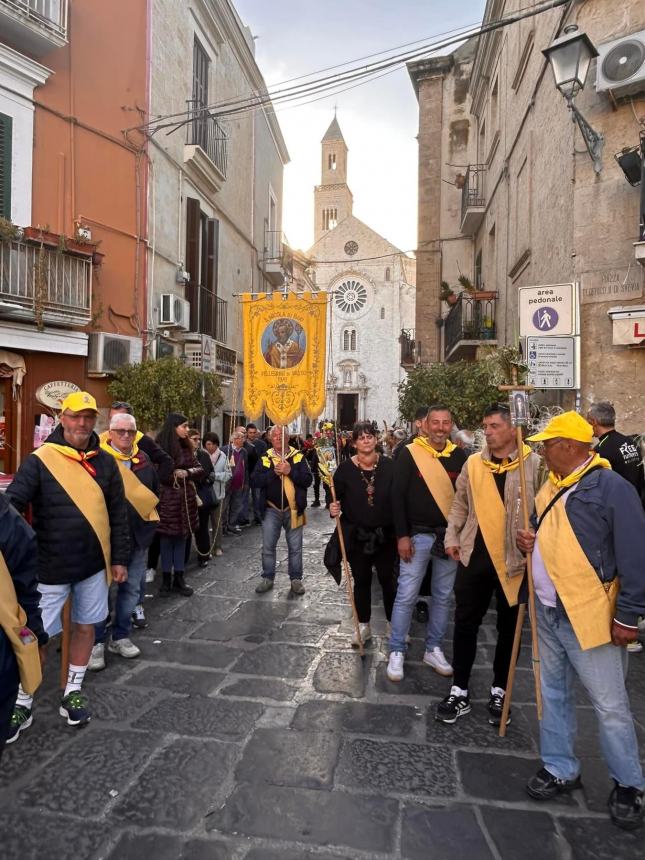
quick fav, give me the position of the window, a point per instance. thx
(6, 123)
(388, 274)
(494, 107)
(329, 219)
(351, 296)
(482, 142)
(202, 253)
(200, 94)
(478, 271)
(349, 340)
(382, 313)
(331, 161)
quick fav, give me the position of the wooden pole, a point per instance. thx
(511, 669)
(348, 575)
(66, 638)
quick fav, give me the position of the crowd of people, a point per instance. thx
(434, 518)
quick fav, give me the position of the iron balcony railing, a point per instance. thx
(44, 284)
(50, 14)
(470, 319)
(210, 315)
(205, 131)
(472, 193)
(408, 347)
(277, 251)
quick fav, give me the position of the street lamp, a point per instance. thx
(570, 56)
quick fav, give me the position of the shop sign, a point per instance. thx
(52, 394)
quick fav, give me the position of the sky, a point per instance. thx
(379, 120)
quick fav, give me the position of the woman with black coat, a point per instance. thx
(363, 484)
(177, 504)
(206, 493)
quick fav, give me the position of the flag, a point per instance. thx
(284, 354)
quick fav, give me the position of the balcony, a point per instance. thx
(473, 200)
(278, 257)
(409, 352)
(208, 315)
(206, 149)
(44, 285)
(470, 323)
(34, 27)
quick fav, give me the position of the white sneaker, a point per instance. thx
(366, 635)
(634, 647)
(124, 648)
(395, 666)
(219, 552)
(97, 658)
(437, 660)
(150, 574)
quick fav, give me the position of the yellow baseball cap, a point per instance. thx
(77, 401)
(569, 425)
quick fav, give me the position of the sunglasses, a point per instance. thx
(123, 432)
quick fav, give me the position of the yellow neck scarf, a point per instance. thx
(507, 465)
(278, 458)
(574, 477)
(423, 443)
(81, 457)
(105, 445)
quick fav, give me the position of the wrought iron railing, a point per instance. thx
(51, 14)
(205, 131)
(277, 251)
(472, 193)
(45, 284)
(212, 319)
(470, 319)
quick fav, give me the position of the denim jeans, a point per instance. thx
(127, 597)
(258, 511)
(272, 524)
(173, 551)
(411, 575)
(602, 672)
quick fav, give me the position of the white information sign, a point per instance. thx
(547, 311)
(552, 362)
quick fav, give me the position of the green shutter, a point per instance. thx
(6, 123)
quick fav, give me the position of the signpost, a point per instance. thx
(552, 362)
(548, 310)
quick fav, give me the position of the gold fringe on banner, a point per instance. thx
(284, 355)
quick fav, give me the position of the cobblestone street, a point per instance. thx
(249, 728)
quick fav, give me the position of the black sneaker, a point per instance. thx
(21, 719)
(452, 707)
(75, 707)
(625, 807)
(315, 504)
(545, 786)
(495, 708)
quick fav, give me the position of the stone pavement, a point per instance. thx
(249, 728)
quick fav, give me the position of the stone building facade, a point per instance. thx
(216, 191)
(372, 294)
(509, 197)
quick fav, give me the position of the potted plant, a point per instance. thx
(488, 328)
(447, 293)
(42, 235)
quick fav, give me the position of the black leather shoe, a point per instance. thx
(626, 807)
(179, 585)
(545, 786)
(315, 504)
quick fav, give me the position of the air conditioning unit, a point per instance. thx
(621, 65)
(174, 311)
(108, 352)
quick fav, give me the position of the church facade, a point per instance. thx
(372, 298)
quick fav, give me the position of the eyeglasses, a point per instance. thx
(120, 432)
(543, 446)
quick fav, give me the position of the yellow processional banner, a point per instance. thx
(284, 355)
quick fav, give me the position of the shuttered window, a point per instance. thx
(6, 124)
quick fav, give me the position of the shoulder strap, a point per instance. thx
(561, 492)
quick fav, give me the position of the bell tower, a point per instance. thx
(333, 200)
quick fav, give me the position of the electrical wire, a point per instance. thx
(330, 84)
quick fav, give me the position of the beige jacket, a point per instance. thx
(462, 522)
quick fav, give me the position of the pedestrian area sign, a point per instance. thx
(547, 311)
(552, 362)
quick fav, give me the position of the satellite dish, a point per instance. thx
(623, 61)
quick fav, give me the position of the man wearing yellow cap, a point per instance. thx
(80, 517)
(588, 546)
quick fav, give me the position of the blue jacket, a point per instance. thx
(607, 518)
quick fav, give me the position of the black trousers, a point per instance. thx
(474, 588)
(316, 485)
(9, 680)
(384, 560)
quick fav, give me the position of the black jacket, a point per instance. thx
(623, 454)
(265, 479)
(68, 549)
(163, 462)
(141, 532)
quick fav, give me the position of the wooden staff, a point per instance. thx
(66, 638)
(348, 576)
(535, 654)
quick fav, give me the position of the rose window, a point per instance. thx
(351, 296)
